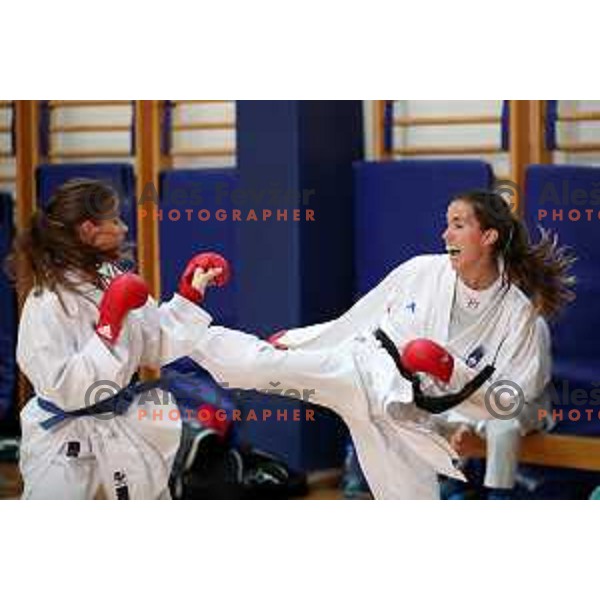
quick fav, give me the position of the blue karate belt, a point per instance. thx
(117, 404)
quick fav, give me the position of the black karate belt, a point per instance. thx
(117, 404)
(432, 404)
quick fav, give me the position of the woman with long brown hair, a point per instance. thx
(86, 327)
(440, 332)
(541, 272)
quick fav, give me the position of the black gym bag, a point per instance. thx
(209, 467)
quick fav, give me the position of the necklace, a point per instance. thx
(472, 303)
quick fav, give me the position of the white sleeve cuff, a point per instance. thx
(187, 311)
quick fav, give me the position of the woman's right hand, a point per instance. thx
(461, 438)
(208, 268)
(202, 279)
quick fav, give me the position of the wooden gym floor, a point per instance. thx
(323, 485)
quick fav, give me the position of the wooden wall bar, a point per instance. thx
(380, 152)
(448, 120)
(538, 151)
(27, 159)
(519, 143)
(446, 150)
(87, 103)
(148, 162)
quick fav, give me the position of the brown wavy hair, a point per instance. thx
(50, 248)
(540, 269)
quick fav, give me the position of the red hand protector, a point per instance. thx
(125, 293)
(204, 261)
(425, 356)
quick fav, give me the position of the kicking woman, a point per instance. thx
(481, 308)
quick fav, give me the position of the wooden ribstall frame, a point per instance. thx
(519, 132)
(432, 121)
(578, 117)
(202, 126)
(87, 154)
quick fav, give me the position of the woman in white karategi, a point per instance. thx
(540, 271)
(85, 330)
(484, 301)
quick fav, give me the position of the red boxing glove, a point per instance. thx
(274, 340)
(124, 293)
(425, 356)
(204, 261)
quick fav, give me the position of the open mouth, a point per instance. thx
(452, 250)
